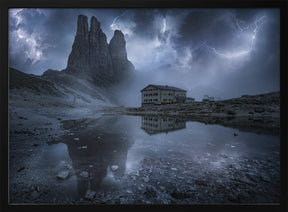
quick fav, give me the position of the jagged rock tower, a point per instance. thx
(93, 59)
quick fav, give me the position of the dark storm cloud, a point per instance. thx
(219, 52)
(49, 32)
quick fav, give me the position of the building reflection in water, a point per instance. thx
(158, 124)
(95, 146)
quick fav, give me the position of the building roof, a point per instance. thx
(164, 87)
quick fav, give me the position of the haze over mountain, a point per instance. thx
(93, 68)
(223, 53)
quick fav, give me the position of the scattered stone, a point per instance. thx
(76, 139)
(84, 174)
(90, 195)
(174, 169)
(129, 191)
(63, 175)
(114, 167)
(68, 166)
(150, 192)
(146, 179)
(82, 147)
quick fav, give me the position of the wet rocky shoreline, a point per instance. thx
(252, 113)
(171, 179)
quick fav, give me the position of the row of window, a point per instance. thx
(168, 119)
(156, 94)
(167, 100)
(150, 119)
(156, 119)
(151, 125)
(156, 100)
(156, 125)
(151, 94)
(150, 100)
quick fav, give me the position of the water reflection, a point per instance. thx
(115, 154)
(159, 124)
(96, 147)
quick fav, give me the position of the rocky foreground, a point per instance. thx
(254, 113)
(237, 180)
(181, 183)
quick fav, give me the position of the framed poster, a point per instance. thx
(144, 105)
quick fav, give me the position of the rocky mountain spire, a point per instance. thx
(117, 48)
(93, 59)
(82, 27)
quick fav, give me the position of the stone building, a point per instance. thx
(159, 94)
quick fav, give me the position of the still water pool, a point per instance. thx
(123, 158)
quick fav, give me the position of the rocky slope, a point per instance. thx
(93, 68)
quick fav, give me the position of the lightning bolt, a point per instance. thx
(257, 24)
(113, 25)
(164, 25)
(228, 55)
(239, 27)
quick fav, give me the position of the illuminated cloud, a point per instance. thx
(204, 51)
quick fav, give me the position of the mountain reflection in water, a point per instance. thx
(96, 147)
(120, 155)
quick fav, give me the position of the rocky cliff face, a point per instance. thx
(117, 48)
(93, 59)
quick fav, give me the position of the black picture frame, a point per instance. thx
(4, 83)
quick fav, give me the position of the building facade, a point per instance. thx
(157, 124)
(159, 94)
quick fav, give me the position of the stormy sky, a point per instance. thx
(223, 53)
